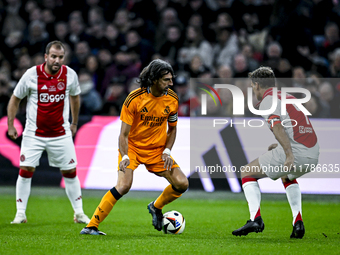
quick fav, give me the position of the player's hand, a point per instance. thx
(73, 129)
(12, 132)
(289, 163)
(272, 146)
(123, 164)
(168, 161)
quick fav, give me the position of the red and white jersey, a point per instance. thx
(296, 124)
(48, 104)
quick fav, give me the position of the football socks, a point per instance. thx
(23, 190)
(253, 196)
(104, 208)
(168, 195)
(73, 192)
(294, 199)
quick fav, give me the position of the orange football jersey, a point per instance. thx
(148, 116)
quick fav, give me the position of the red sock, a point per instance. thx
(298, 217)
(286, 184)
(70, 175)
(248, 179)
(25, 173)
(258, 213)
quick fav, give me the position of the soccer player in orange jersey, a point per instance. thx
(148, 132)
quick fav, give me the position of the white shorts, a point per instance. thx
(60, 150)
(272, 162)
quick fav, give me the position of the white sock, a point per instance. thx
(253, 195)
(294, 199)
(73, 192)
(23, 190)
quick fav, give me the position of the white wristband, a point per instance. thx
(125, 157)
(167, 151)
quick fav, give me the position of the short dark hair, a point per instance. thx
(264, 76)
(57, 44)
(154, 71)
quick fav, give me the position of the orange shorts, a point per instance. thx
(152, 159)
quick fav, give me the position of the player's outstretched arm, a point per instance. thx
(12, 109)
(171, 136)
(75, 107)
(283, 139)
(124, 145)
(170, 140)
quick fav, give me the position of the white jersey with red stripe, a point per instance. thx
(296, 124)
(48, 105)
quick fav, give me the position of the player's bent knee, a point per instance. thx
(181, 186)
(28, 168)
(123, 188)
(285, 179)
(243, 174)
(69, 171)
(247, 174)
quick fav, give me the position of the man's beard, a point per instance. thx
(52, 71)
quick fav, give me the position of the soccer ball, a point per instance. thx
(173, 222)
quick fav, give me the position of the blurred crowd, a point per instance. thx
(108, 43)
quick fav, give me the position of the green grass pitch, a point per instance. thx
(210, 219)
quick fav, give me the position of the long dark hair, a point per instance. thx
(154, 71)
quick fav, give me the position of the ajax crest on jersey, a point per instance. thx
(173, 222)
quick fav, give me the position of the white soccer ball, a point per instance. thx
(173, 223)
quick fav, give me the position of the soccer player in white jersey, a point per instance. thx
(51, 89)
(297, 149)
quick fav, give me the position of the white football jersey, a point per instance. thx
(48, 105)
(296, 124)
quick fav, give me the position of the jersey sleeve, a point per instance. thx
(173, 116)
(128, 111)
(273, 118)
(74, 85)
(21, 89)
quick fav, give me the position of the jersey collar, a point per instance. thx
(57, 75)
(266, 93)
(149, 91)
